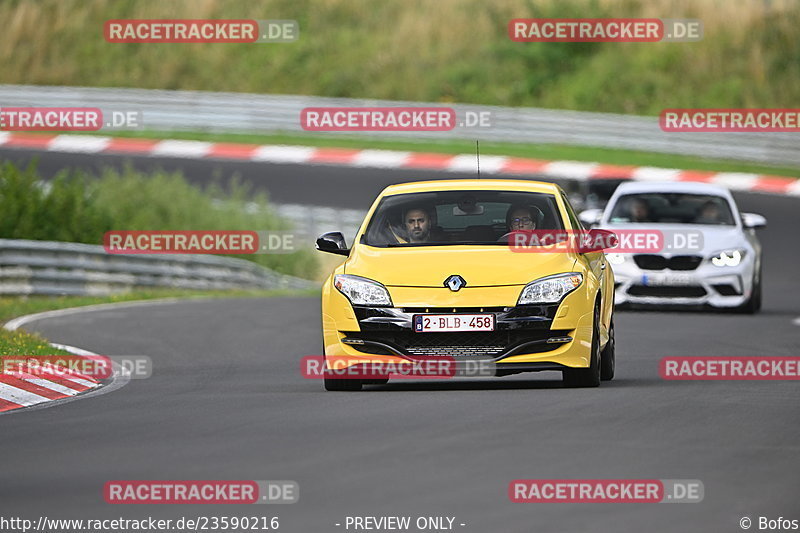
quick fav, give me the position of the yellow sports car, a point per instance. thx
(434, 273)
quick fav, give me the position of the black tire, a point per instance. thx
(608, 356)
(382, 381)
(753, 304)
(342, 385)
(587, 377)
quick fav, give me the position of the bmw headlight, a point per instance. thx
(551, 289)
(615, 259)
(362, 291)
(728, 258)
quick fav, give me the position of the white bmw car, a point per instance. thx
(710, 255)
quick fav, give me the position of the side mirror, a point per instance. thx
(590, 217)
(596, 240)
(752, 220)
(333, 243)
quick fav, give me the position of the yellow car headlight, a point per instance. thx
(362, 291)
(550, 290)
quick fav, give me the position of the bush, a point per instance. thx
(76, 208)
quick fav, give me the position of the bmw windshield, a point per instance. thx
(672, 208)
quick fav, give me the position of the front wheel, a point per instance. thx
(381, 381)
(338, 384)
(342, 385)
(587, 377)
(608, 356)
(753, 304)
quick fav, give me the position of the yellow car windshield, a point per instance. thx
(459, 217)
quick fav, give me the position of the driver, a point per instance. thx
(417, 222)
(640, 210)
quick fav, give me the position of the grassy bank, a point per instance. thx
(425, 50)
(76, 208)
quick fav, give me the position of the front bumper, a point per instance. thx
(526, 338)
(707, 285)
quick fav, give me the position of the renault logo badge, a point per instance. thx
(455, 282)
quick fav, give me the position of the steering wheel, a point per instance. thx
(505, 237)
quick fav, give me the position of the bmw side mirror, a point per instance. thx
(752, 220)
(590, 217)
(333, 243)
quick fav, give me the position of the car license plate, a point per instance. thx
(661, 280)
(438, 323)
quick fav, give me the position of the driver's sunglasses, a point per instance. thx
(521, 221)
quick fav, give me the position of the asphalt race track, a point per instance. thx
(335, 186)
(227, 401)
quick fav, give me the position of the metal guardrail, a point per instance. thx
(251, 113)
(317, 219)
(47, 267)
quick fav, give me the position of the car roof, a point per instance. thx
(472, 184)
(671, 187)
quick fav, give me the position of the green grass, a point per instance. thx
(534, 151)
(20, 342)
(14, 343)
(423, 50)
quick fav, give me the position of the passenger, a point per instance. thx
(521, 217)
(709, 213)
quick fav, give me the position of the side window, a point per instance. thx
(573, 219)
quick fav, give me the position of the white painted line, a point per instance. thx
(381, 158)
(794, 188)
(19, 396)
(655, 174)
(4, 135)
(736, 181)
(46, 383)
(79, 143)
(181, 149)
(80, 381)
(283, 154)
(62, 372)
(570, 169)
(20, 321)
(491, 164)
(49, 369)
